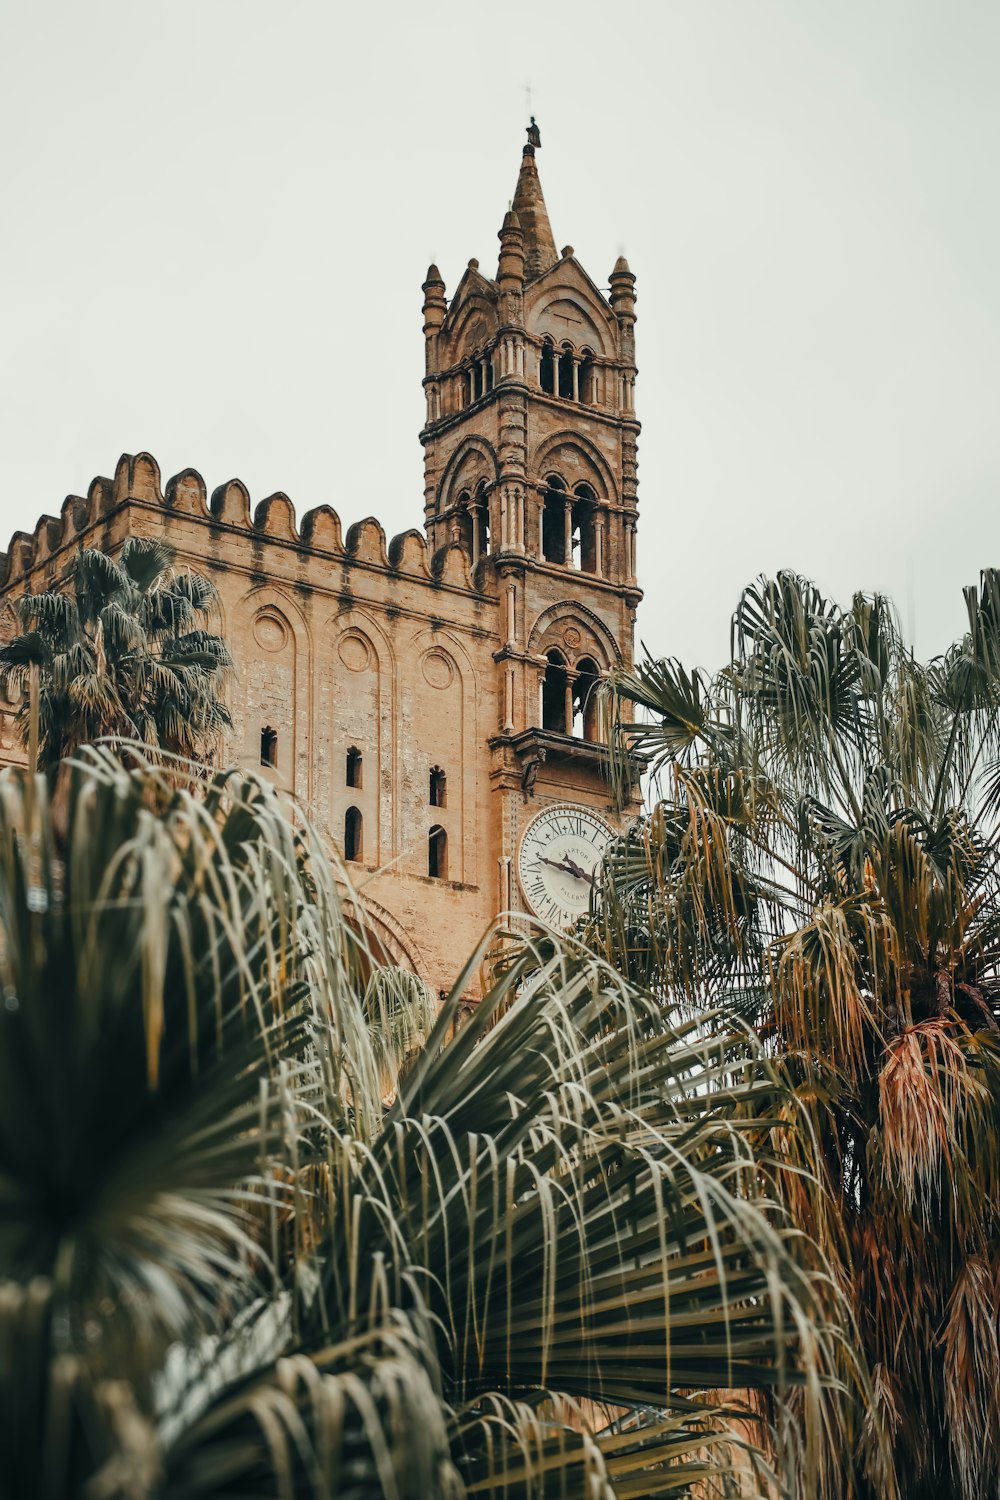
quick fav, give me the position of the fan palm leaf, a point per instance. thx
(567, 1205)
(126, 631)
(852, 909)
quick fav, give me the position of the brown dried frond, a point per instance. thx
(924, 1088)
(826, 978)
(972, 1372)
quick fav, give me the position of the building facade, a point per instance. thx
(431, 702)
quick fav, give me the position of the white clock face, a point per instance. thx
(560, 851)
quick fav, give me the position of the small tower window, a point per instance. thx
(477, 381)
(462, 526)
(353, 834)
(269, 747)
(554, 695)
(585, 528)
(483, 519)
(587, 382)
(437, 853)
(566, 374)
(554, 521)
(438, 791)
(354, 764)
(547, 369)
(585, 701)
(489, 372)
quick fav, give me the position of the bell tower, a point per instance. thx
(530, 466)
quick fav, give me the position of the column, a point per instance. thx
(568, 534)
(576, 378)
(570, 679)
(503, 519)
(511, 608)
(599, 544)
(475, 532)
(508, 701)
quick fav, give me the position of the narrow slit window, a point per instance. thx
(438, 787)
(354, 765)
(437, 853)
(353, 834)
(269, 747)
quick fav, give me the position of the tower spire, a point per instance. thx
(532, 215)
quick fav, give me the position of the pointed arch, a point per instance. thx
(578, 460)
(473, 460)
(388, 940)
(596, 639)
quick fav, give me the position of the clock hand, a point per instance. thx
(569, 866)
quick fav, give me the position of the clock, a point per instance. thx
(557, 861)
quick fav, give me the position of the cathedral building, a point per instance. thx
(432, 702)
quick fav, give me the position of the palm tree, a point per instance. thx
(233, 1269)
(823, 861)
(121, 652)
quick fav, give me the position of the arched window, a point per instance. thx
(554, 694)
(587, 378)
(547, 369)
(353, 834)
(585, 527)
(489, 371)
(566, 373)
(437, 853)
(354, 764)
(461, 525)
(483, 517)
(438, 790)
(269, 747)
(554, 521)
(477, 380)
(585, 701)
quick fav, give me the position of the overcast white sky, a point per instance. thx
(217, 216)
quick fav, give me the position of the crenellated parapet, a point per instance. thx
(37, 559)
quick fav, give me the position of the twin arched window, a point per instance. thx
(478, 376)
(567, 372)
(472, 521)
(570, 524)
(569, 698)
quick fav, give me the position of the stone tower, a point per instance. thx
(431, 702)
(530, 465)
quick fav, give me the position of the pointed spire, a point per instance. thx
(533, 217)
